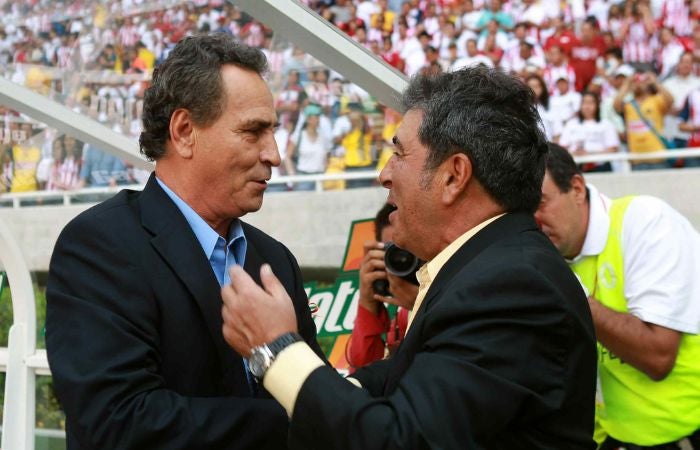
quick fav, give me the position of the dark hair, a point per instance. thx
(561, 166)
(615, 51)
(490, 117)
(597, 105)
(592, 21)
(381, 220)
(544, 96)
(190, 78)
(59, 141)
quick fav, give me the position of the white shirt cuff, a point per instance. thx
(289, 371)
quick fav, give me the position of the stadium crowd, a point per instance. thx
(608, 76)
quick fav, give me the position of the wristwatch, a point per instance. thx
(261, 357)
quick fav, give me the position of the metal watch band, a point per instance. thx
(283, 342)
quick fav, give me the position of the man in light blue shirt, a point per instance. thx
(134, 325)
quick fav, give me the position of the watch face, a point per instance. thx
(259, 362)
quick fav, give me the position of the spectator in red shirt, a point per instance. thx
(585, 52)
(390, 55)
(563, 37)
(372, 321)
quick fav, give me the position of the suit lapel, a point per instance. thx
(495, 231)
(253, 261)
(176, 243)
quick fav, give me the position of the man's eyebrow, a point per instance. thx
(253, 124)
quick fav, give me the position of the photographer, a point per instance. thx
(372, 321)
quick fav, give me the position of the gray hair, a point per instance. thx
(491, 117)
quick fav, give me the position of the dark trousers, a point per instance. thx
(694, 440)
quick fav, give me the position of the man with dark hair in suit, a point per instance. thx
(500, 348)
(133, 328)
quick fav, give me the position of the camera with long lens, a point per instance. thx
(399, 262)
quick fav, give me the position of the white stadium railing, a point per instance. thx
(38, 198)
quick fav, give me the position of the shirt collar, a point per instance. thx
(598, 224)
(205, 234)
(434, 265)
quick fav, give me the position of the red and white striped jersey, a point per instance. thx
(675, 14)
(275, 60)
(128, 36)
(552, 73)
(638, 46)
(64, 57)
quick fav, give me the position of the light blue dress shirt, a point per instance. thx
(222, 254)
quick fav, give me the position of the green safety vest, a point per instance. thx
(634, 408)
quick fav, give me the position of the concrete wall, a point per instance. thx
(315, 225)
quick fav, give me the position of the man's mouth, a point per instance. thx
(390, 201)
(393, 209)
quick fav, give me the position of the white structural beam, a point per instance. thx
(19, 407)
(330, 45)
(55, 115)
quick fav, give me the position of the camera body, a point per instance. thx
(399, 262)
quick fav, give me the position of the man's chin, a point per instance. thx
(254, 204)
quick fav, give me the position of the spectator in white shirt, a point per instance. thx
(473, 57)
(669, 52)
(558, 67)
(414, 53)
(587, 134)
(492, 30)
(552, 128)
(565, 102)
(470, 16)
(307, 149)
(526, 61)
(680, 85)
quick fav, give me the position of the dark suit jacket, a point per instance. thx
(501, 355)
(134, 333)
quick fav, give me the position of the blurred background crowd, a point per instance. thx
(608, 76)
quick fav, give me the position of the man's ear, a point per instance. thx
(456, 173)
(182, 133)
(578, 187)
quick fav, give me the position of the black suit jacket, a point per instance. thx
(134, 333)
(501, 355)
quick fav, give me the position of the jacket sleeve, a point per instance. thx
(492, 356)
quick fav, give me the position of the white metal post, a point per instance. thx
(19, 408)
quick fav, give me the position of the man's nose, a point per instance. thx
(270, 152)
(385, 174)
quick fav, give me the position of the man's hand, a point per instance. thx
(253, 316)
(403, 293)
(371, 269)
